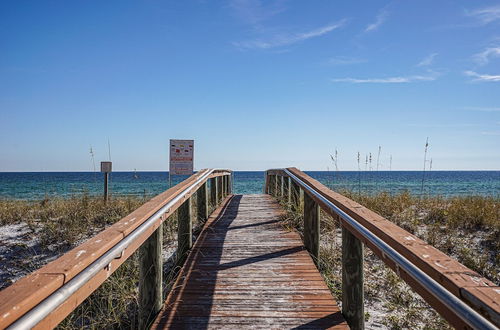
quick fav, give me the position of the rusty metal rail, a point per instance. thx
(460, 295)
(45, 297)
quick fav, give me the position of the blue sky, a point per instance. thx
(257, 84)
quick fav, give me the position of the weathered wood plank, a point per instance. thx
(245, 270)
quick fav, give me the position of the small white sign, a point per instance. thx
(181, 157)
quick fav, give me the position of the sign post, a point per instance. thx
(106, 169)
(181, 158)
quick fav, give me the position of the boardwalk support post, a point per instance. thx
(270, 184)
(150, 278)
(275, 185)
(311, 226)
(184, 230)
(283, 178)
(202, 201)
(288, 191)
(219, 189)
(352, 280)
(222, 187)
(274, 180)
(294, 195)
(213, 192)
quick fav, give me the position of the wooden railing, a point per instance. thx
(463, 297)
(45, 297)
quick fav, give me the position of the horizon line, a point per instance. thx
(304, 170)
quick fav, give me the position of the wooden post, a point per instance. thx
(275, 186)
(213, 192)
(221, 186)
(294, 195)
(202, 200)
(352, 280)
(279, 180)
(230, 184)
(270, 187)
(289, 191)
(219, 189)
(311, 226)
(150, 278)
(106, 180)
(283, 178)
(224, 191)
(184, 229)
(224, 181)
(301, 198)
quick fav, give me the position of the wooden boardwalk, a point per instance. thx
(246, 271)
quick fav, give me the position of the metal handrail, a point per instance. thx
(58, 297)
(461, 309)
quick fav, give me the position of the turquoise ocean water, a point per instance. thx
(37, 185)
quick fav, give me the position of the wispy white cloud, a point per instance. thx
(484, 109)
(484, 56)
(428, 60)
(345, 60)
(482, 77)
(436, 125)
(486, 15)
(381, 18)
(389, 80)
(491, 133)
(256, 11)
(280, 40)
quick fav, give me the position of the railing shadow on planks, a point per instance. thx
(461, 296)
(45, 297)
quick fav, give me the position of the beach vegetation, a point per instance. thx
(467, 228)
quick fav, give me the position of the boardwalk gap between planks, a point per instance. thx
(246, 271)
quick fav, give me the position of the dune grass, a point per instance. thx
(466, 228)
(64, 222)
(59, 225)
